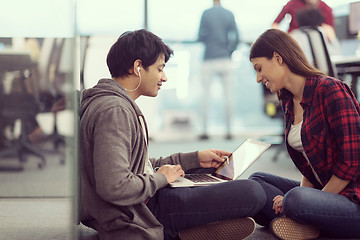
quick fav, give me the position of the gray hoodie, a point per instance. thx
(113, 153)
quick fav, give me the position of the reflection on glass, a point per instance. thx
(36, 89)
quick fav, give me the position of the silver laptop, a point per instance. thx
(232, 168)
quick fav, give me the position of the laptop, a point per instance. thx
(232, 168)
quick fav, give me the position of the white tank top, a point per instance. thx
(294, 137)
(294, 140)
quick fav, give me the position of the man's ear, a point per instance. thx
(137, 63)
(278, 58)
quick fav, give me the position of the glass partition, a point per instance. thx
(38, 118)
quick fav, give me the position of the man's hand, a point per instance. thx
(171, 172)
(212, 158)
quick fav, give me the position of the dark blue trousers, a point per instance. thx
(334, 214)
(181, 208)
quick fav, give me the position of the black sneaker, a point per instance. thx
(231, 229)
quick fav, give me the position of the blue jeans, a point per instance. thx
(181, 208)
(333, 214)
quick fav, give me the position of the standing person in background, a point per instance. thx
(322, 134)
(293, 6)
(219, 33)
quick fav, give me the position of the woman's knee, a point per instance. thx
(296, 201)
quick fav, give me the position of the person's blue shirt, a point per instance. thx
(219, 33)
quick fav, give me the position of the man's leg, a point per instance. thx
(206, 78)
(183, 208)
(226, 70)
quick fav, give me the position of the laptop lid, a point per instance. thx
(241, 159)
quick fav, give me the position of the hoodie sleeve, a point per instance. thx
(186, 160)
(117, 158)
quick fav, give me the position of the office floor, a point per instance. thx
(37, 217)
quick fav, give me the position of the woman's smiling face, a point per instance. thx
(270, 72)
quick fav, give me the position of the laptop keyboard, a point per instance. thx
(200, 178)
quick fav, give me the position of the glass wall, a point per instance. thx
(38, 73)
(38, 118)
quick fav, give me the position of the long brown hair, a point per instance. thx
(275, 40)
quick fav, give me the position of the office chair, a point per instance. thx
(58, 96)
(51, 96)
(21, 106)
(319, 50)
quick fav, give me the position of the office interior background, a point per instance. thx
(90, 27)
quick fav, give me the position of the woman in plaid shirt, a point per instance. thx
(322, 132)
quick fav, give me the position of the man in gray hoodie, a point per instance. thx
(122, 196)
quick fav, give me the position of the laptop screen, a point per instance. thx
(241, 159)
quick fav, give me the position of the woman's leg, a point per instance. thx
(332, 213)
(182, 208)
(273, 186)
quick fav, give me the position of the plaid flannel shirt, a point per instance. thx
(330, 133)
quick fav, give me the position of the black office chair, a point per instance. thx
(56, 94)
(21, 106)
(50, 93)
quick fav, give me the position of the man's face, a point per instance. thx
(312, 3)
(153, 77)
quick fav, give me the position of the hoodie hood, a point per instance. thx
(106, 87)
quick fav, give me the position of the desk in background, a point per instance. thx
(348, 65)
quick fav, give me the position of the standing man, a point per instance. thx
(122, 196)
(219, 33)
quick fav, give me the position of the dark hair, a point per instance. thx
(310, 17)
(275, 40)
(133, 45)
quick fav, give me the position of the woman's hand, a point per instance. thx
(278, 203)
(212, 158)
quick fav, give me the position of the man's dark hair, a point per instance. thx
(133, 45)
(310, 17)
